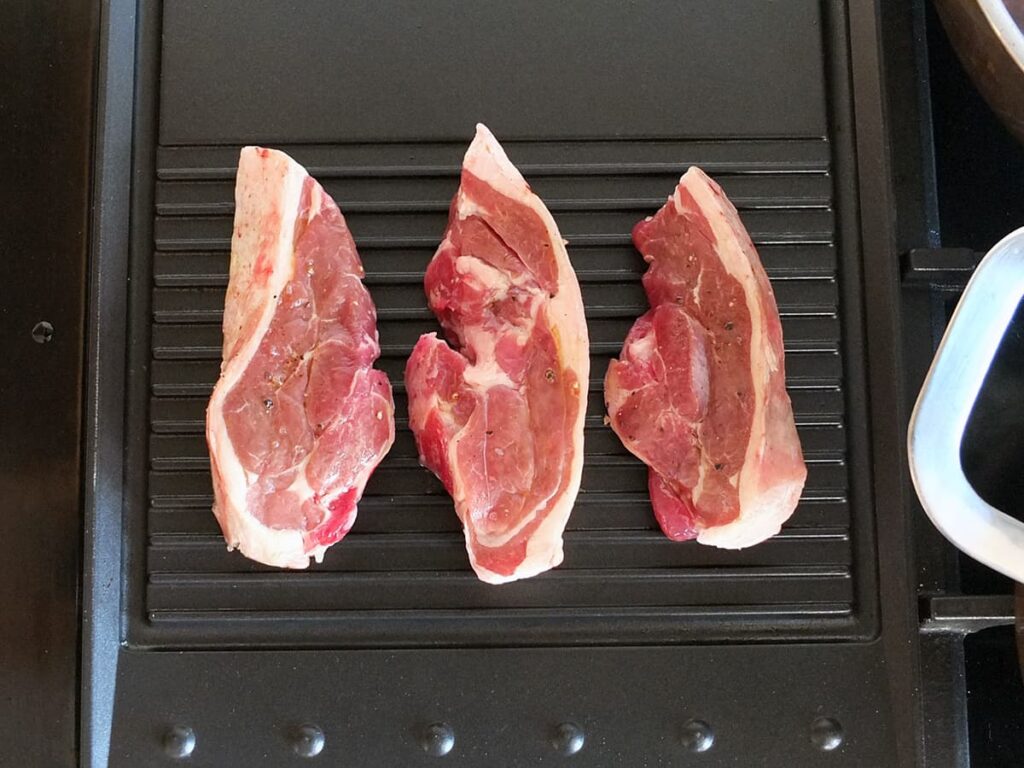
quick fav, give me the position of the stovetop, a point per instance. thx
(978, 167)
(393, 618)
(953, 171)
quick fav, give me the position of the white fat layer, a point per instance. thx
(762, 511)
(643, 348)
(702, 473)
(759, 522)
(697, 282)
(486, 160)
(485, 372)
(465, 207)
(265, 185)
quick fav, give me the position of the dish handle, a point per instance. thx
(944, 406)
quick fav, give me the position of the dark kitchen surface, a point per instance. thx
(802, 652)
(979, 167)
(47, 51)
(980, 182)
(995, 697)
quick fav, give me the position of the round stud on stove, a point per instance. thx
(179, 742)
(437, 739)
(697, 736)
(568, 739)
(308, 741)
(42, 332)
(826, 734)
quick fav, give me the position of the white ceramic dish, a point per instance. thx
(944, 406)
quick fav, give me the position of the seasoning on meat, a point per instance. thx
(699, 391)
(498, 415)
(299, 418)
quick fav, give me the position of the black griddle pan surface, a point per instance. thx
(602, 106)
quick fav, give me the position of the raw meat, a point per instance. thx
(500, 421)
(699, 393)
(299, 417)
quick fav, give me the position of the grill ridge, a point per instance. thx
(406, 553)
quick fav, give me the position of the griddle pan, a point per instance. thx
(637, 650)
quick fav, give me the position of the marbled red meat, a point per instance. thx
(499, 418)
(699, 392)
(299, 418)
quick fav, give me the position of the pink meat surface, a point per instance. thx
(299, 418)
(499, 417)
(699, 392)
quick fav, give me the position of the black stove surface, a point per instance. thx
(978, 172)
